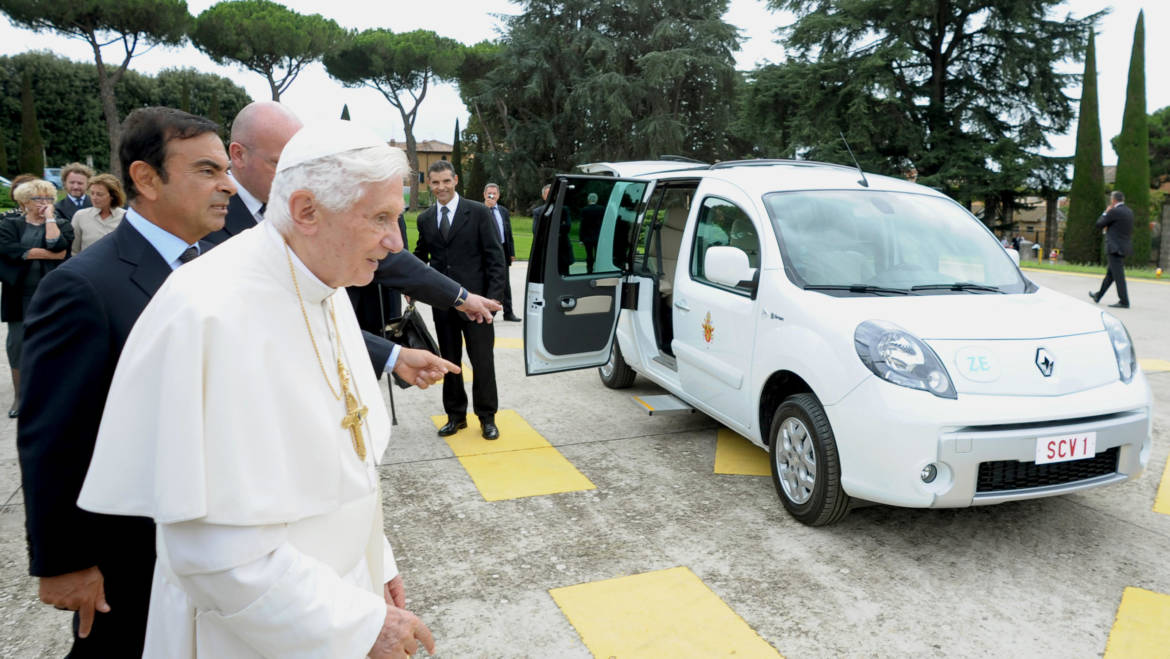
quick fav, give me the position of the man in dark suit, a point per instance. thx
(458, 238)
(259, 133)
(74, 178)
(175, 175)
(503, 222)
(1117, 221)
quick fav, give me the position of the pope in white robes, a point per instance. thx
(244, 419)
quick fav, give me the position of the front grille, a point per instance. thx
(1009, 475)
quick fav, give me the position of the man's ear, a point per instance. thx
(302, 206)
(146, 180)
(236, 152)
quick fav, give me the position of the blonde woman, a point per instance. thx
(90, 224)
(31, 245)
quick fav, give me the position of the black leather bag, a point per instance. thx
(409, 331)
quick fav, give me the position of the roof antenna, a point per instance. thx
(863, 180)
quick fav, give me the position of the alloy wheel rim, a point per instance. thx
(796, 460)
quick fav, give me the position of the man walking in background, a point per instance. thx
(1117, 221)
(503, 222)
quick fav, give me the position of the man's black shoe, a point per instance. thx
(1119, 305)
(1094, 296)
(511, 317)
(490, 431)
(453, 426)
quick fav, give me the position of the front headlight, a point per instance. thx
(897, 356)
(1122, 347)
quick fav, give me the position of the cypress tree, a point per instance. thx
(457, 159)
(1133, 148)
(3, 156)
(345, 112)
(185, 96)
(1086, 199)
(32, 147)
(213, 112)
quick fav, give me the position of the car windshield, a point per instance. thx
(852, 242)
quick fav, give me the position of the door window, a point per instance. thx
(596, 225)
(722, 223)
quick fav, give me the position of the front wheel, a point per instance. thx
(805, 468)
(616, 373)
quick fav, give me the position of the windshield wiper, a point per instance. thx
(957, 286)
(857, 288)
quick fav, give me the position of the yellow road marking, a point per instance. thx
(643, 403)
(519, 464)
(1162, 500)
(1142, 627)
(1154, 365)
(668, 613)
(734, 454)
(511, 342)
(466, 372)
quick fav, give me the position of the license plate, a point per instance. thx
(1062, 448)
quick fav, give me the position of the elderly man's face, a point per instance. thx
(75, 184)
(442, 184)
(357, 238)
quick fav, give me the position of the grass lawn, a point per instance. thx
(1061, 266)
(521, 233)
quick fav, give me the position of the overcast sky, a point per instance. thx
(315, 95)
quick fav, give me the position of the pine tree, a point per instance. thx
(345, 112)
(457, 159)
(1086, 199)
(1133, 148)
(32, 147)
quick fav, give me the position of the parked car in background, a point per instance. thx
(870, 333)
(53, 175)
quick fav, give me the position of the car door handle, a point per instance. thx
(568, 303)
(681, 305)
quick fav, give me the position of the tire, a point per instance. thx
(616, 373)
(805, 467)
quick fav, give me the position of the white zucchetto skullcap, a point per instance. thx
(326, 138)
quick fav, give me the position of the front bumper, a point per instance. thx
(886, 434)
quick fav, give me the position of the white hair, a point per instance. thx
(336, 181)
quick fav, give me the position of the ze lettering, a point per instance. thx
(978, 364)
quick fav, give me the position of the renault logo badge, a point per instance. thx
(1045, 362)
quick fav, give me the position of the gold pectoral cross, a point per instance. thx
(354, 415)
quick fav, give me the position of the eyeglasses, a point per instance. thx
(41, 198)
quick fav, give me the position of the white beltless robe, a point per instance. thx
(220, 426)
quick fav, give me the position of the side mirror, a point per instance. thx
(727, 265)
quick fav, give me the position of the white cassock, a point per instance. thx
(220, 426)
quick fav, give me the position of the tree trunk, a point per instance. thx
(272, 86)
(1050, 224)
(106, 84)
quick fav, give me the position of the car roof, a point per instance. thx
(762, 175)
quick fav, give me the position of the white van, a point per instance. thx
(870, 333)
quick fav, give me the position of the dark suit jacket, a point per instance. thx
(14, 269)
(471, 254)
(1118, 225)
(508, 244)
(66, 208)
(238, 219)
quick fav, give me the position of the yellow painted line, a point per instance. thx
(465, 370)
(1142, 628)
(643, 403)
(519, 464)
(734, 454)
(1154, 365)
(1162, 500)
(511, 342)
(668, 613)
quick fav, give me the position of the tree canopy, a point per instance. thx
(264, 37)
(102, 23)
(963, 91)
(401, 66)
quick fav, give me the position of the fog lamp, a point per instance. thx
(929, 473)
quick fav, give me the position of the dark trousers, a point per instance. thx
(507, 301)
(1116, 272)
(453, 330)
(127, 582)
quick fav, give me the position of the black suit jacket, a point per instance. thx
(66, 208)
(509, 244)
(1118, 225)
(77, 323)
(471, 254)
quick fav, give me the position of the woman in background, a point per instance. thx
(90, 224)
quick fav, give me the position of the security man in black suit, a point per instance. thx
(75, 179)
(175, 175)
(259, 133)
(503, 223)
(1117, 221)
(458, 238)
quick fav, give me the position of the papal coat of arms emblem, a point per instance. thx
(708, 328)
